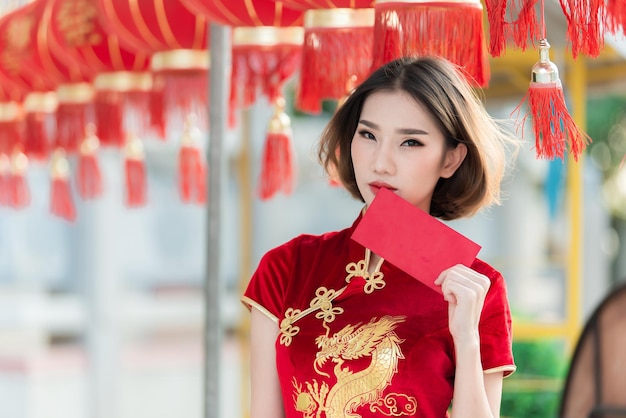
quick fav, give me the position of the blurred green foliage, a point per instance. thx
(606, 125)
(534, 390)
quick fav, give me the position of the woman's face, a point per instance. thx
(397, 145)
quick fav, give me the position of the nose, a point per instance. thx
(383, 162)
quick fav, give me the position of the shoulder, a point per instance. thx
(483, 268)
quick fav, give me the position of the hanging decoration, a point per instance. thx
(89, 175)
(246, 12)
(336, 56)
(278, 160)
(511, 22)
(554, 128)
(177, 41)
(13, 187)
(263, 59)
(586, 24)
(616, 16)
(19, 192)
(515, 21)
(135, 172)
(122, 82)
(192, 170)
(61, 201)
(17, 37)
(451, 29)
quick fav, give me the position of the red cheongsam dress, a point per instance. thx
(354, 344)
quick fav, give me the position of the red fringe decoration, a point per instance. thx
(586, 23)
(71, 119)
(10, 136)
(109, 109)
(17, 185)
(555, 130)
(157, 113)
(136, 184)
(61, 202)
(334, 61)
(616, 16)
(5, 180)
(176, 94)
(276, 166)
(518, 26)
(191, 175)
(36, 136)
(278, 162)
(261, 68)
(19, 193)
(89, 177)
(114, 112)
(451, 30)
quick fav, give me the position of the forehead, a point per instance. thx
(397, 108)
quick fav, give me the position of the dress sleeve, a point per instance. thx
(495, 324)
(268, 285)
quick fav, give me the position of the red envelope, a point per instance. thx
(411, 239)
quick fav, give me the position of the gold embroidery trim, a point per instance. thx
(323, 300)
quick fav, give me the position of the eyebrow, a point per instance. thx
(403, 131)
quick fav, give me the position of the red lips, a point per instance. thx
(377, 185)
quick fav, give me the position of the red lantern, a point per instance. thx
(177, 40)
(246, 12)
(336, 56)
(19, 63)
(452, 29)
(327, 4)
(123, 83)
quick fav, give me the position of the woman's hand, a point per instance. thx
(464, 289)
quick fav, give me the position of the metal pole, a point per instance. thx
(220, 53)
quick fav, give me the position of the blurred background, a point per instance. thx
(102, 306)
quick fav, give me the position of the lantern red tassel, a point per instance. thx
(120, 102)
(180, 86)
(278, 161)
(89, 180)
(39, 111)
(616, 16)
(135, 171)
(61, 202)
(19, 193)
(264, 58)
(518, 25)
(555, 130)
(191, 166)
(586, 23)
(452, 30)
(110, 116)
(5, 180)
(336, 55)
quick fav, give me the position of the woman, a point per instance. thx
(338, 332)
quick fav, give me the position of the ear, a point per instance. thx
(453, 159)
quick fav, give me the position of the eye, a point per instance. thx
(366, 134)
(412, 143)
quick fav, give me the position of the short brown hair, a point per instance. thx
(444, 91)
